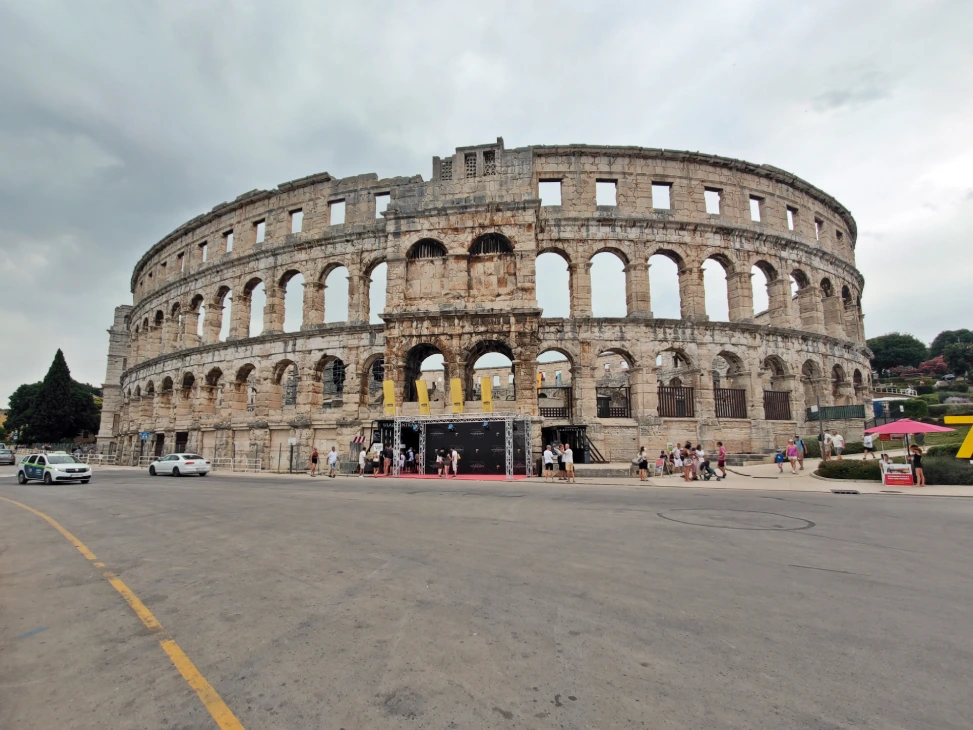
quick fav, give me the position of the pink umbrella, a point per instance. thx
(908, 427)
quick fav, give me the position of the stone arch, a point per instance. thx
(846, 296)
(166, 386)
(290, 285)
(329, 381)
(150, 388)
(374, 290)
(553, 282)
(799, 281)
(728, 367)
(677, 376)
(556, 395)
(284, 384)
(244, 387)
(414, 359)
(426, 272)
(222, 313)
(665, 266)
(491, 244)
(337, 284)
(160, 317)
(252, 304)
(372, 375)
(811, 380)
(717, 287)
(472, 357)
(731, 385)
(827, 288)
(188, 381)
(609, 280)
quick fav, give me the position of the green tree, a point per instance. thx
(891, 350)
(62, 408)
(959, 357)
(949, 337)
(21, 410)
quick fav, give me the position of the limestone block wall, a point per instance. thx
(193, 362)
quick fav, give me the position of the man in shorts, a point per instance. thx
(568, 455)
(548, 464)
(801, 450)
(332, 461)
(868, 444)
(826, 446)
(837, 444)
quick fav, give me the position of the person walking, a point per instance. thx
(387, 460)
(454, 457)
(376, 461)
(687, 463)
(721, 458)
(314, 461)
(332, 461)
(560, 461)
(410, 460)
(361, 463)
(643, 461)
(824, 442)
(439, 463)
(791, 452)
(918, 473)
(868, 445)
(837, 444)
(568, 456)
(779, 460)
(801, 450)
(548, 464)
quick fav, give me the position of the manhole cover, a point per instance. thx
(736, 519)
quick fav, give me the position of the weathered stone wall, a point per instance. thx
(460, 252)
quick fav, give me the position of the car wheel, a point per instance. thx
(175, 471)
(21, 478)
(151, 471)
(47, 478)
(85, 481)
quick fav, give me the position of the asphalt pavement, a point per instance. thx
(378, 603)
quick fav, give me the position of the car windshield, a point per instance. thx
(62, 459)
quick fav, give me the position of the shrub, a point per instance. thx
(955, 400)
(946, 470)
(960, 387)
(952, 409)
(925, 389)
(943, 450)
(930, 398)
(915, 408)
(944, 394)
(850, 469)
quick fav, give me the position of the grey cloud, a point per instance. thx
(840, 98)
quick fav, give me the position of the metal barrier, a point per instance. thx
(146, 460)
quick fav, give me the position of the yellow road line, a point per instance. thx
(210, 698)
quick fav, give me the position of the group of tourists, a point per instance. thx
(833, 444)
(332, 461)
(563, 456)
(686, 459)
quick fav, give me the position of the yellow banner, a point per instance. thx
(388, 387)
(540, 380)
(966, 448)
(456, 393)
(486, 394)
(422, 391)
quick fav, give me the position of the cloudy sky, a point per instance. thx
(121, 120)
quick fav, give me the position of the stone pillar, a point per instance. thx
(273, 310)
(705, 397)
(692, 293)
(810, 309)
(740, 293)
(212, 323)
(395, 282)
(580, 282)
(525, 386)
(359, 287)
(779, 310)
(637, 297)
(834, 324)
(457, 278)
(313, 304)
(240, 317)
(190, 327)
(852, 321)
(637, 390)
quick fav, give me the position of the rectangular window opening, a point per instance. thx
(662, 196)
(755, 205)
(606, 192)
(496, 380)
(470, 164)
(712, 197)
(446, 170)
(549, 191)
(228, 241)
(818, 223)
(337, 210)
(490, 162)
(297, 220)
(838, 234)
(791, 218)
(203, 252)
(261, 227)
(181, 258)
(381, 203)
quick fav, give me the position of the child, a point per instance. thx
(779, 460)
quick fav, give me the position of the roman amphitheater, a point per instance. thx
(258, 326)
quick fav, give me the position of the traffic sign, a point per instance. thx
(144, 435)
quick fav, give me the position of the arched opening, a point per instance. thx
(490, 359)
(245, 389)
(188, 381)
(255, 294)
(175, 326)
(716, 288)
(664, 285)
(776, 389)
(799, 280)
(330, 377)
(839, 386)
(846, 297)
(285, 382)
(676, 376)
(762, 274)
(292, 287)
(827, 288)
(426, 362)
(425, 274)
(373, 374)
(224, 302)
(555, 394)
(336, 295)
(608, 285)
(165, 396)
(810, 381)
(553, 284)
(213, 391)
(197, 308)
(730, 391)
(377, 287)
(613, 386)
(490, 244)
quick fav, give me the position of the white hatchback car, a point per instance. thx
(178, 465)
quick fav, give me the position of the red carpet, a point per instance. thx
(461, 477)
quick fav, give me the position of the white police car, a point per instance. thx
(52, 468)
